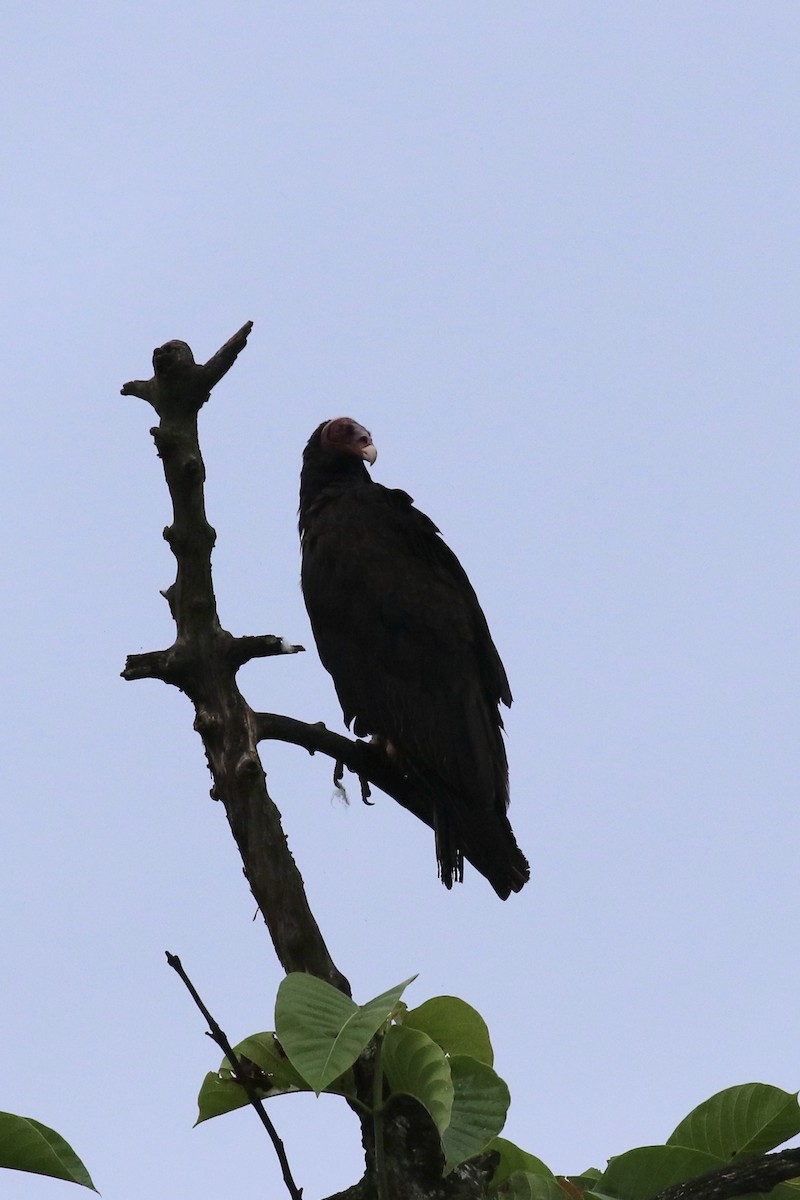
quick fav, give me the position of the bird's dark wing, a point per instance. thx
(401, 631)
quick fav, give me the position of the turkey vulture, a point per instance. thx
(399, 627)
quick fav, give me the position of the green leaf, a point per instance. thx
(645, 1171)
(480, 1104)
(219, 1091)
(513, 1158)
(585, 1180)
(323, 1031)
(415, 1066)
(790, 1190)
(454, 1025)
(264, 1050)
(526, 1185)
(26, 1145)
(750, 1119)
(219, 1094)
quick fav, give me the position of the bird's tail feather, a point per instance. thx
(492, 851)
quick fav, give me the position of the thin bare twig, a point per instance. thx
(218, 1036)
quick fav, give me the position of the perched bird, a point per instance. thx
(399, 627)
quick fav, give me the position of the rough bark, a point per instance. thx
(741, 1178)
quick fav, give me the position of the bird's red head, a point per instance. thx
(343, 435)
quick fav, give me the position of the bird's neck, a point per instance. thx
(324, 477)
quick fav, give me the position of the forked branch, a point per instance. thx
(204, 658)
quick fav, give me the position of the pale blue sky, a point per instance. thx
(548, 253)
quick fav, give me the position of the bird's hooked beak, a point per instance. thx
(369, 453)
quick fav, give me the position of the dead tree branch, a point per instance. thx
(204, 658)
